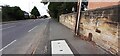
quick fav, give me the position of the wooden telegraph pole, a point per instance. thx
(78, 17)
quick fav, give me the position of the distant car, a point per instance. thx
(44, 16)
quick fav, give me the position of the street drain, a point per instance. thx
(60, 47)
(61, 50)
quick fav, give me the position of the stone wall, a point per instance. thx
(68, 20)
(100, 25)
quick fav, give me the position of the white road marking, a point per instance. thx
(7, 28)
(8, 24)
(60, 47)
(7, 45)
(32, 29)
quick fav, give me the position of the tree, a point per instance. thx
(12, 13)
(18, 13)
(35, 12)
(58, 8)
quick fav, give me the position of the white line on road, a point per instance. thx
(7, 28)
(7, 45)
(7, 24)
(32, 29)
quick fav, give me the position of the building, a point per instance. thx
(26, 14)
(100, 3)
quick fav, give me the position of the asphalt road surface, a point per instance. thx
(21, 37)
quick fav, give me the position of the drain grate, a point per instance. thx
(60, 47)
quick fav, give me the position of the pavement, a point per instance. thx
(57, 31)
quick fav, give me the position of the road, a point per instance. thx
(21, 37)
(35, 36)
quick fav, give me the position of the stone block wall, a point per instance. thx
(68, 20)
(101, 25)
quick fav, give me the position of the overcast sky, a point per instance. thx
(27, 5)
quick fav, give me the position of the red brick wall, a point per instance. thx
(95, 5)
